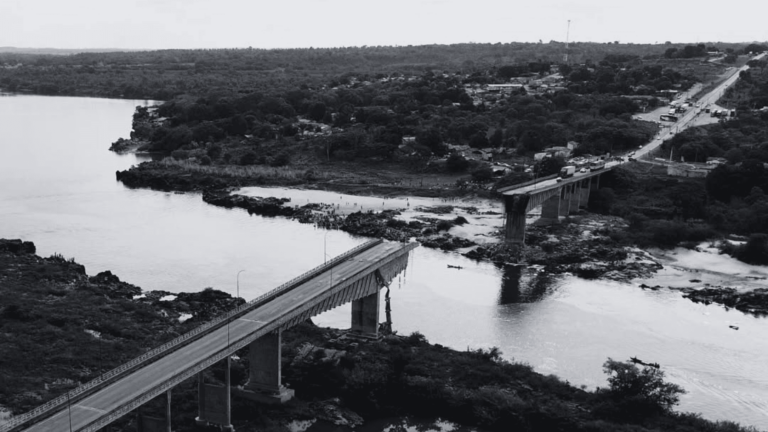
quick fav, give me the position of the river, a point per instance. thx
(58, 189)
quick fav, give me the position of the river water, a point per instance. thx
(58, 189)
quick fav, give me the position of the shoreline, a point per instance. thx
(582, 244)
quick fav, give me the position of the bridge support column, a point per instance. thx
(515, 209)
(565, 200)
(575, 201)
(365, 317)
(146, 423)
(550, 210)
(264, 383)
(585, 188)
(214, 402)
(595, 185)
(515, 229)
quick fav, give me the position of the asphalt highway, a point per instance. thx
(683, 122)
(687, 119)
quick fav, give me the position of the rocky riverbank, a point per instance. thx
(585, 244)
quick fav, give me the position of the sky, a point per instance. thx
(161, 24)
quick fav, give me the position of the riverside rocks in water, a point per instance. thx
(367, 224)
(172, 178)
(753, 302)
(576, 247)
(269, 206)
(17, 247)
(123, 145)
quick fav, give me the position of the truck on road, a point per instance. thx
(566, 171)
(596, 165)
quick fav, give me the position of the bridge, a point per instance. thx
(556, 198)
(355, 276)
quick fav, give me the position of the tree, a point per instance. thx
(497, 138)
(248, 158)
(317, 111)
(550, 165)
(479, 140)
(755, 48)
(176, 138)
(734, 156)
(482, 175)
(755, 251)
(457, 163)
(207, 131)
(432, 139)
(644, 387)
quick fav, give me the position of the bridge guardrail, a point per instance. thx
(81, 391)
(526, 183)
(270, 326)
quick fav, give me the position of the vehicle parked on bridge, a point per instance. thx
(566, 171)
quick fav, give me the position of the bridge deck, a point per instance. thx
(132, 386)
(553, 183)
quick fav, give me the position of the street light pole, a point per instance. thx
(238, 283)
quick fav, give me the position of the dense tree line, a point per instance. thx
(166, 73)
(370, 117)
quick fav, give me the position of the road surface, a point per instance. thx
(693, 116)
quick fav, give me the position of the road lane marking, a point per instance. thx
(91, 409)
(246, 319)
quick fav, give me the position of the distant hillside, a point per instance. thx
(59, 51)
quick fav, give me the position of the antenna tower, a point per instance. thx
(567, 35)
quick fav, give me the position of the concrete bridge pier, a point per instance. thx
(214, 402)
(575, 201)
(146, 423)
(550, 210)
(264, 383)
(565, 200)
(365, 317)
(585, 189)
(515, 209)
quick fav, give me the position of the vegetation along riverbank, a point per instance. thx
(339, 381)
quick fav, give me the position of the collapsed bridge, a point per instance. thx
(355, 276)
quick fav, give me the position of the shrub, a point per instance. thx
(205, 160)
(180, 154)
(444, 225)
(482, 175)
(754, 251)
(457, 163)
(460, 220)
(248, 158)
(282, 159)
(647, 386)
(214, 152)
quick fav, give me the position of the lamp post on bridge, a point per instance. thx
(238, 283)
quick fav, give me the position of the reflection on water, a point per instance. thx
(58, 189)
(522, 284)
